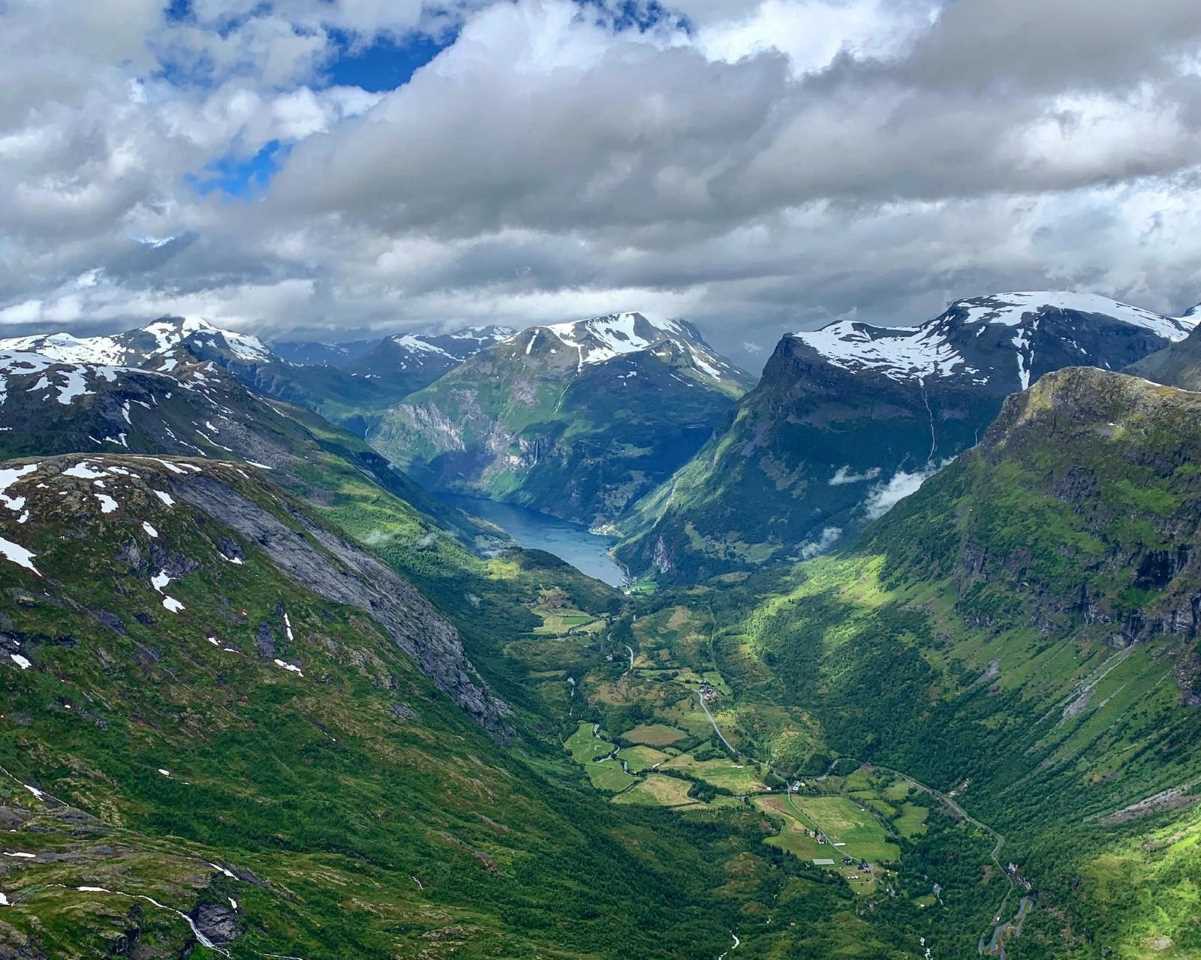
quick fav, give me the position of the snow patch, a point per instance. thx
(84, 470)
(18, 555)
(24, 664)
(7, 478)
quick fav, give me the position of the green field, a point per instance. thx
(593, 753)
(641, 758)
(654, 735)
(912, 820)
(736, 777)
(556, 622)
(658, 791)
(843, 821)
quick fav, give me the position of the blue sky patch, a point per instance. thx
(240, 177)
(384, 64)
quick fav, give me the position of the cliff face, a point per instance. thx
(165, 521)
(1080, 511)
(319, 560)
(848, 417)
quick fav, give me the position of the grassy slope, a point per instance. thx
(311, 782)
(1009, 631)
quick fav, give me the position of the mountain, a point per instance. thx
(574, 419)
(228, 729)
(160, 339)
(351, 384)
(344, 396)
(1179, 363)
(366, 356)
(315, 353)
(417, 360)
(51, 407)
(1035, 604)
(849, 418)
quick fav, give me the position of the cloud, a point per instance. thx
(884, 496)
(775, 165)
(811, 548)
(843, 476)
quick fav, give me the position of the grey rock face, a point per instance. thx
(264, 640)
(219, 923)
(343, 573)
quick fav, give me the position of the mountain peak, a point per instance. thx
(136, 347)
(986, 340)
(170, 332)
(602, 338)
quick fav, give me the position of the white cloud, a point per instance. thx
(884, 496)
(829, 537)
(843, 475)
(783, 163)
(812, 34)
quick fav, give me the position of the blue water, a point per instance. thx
(570, 542)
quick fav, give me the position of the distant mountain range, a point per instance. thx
(574, 419)
(637, 424)
(849, 418)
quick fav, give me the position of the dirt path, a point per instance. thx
(721, 736)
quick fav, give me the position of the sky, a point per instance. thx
(336, 168)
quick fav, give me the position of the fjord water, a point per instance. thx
(570, 542)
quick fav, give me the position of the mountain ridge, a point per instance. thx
(847, 417)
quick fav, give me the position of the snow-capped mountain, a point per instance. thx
(599, 339)
(466, 343)
(168, 368)
(575, 419)
(849, 418)
(418, 359)
(1003, 340)
(139, 348)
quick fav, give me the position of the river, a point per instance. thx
(570, 542)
